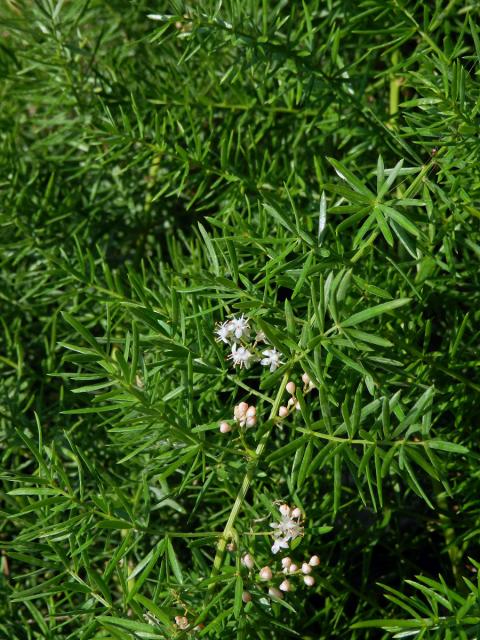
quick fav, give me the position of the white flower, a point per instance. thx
(272, 359)
(261, 337)
(224, 332)
(289, 527)
(240, 356)
(240, 327)
(279, 543)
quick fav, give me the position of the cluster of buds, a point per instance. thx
(244, 415)
(236, 333)
(307, 383)
(304, 569)
(293, 403)
(290, 569)
(182, 622)
(290, 572)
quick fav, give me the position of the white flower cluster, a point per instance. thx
(236, 333)
(288, 528)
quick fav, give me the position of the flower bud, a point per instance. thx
(291, 387)
(291, 402)
(251, 421)
(306, 379)
(265, 573)
(275, 593)
(247, 561)
(225, 427)
(297, 406)
(283, 412)
(284, 510)
(246, 597)
(292, 568)
(251, 411)
(285, 586)
(181, 622)
(306, 568)
(296, 513)
(314, 561)
(286, 562)
(231, 546)
(240, 410)
(309, 581)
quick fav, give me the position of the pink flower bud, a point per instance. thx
(181, 622)
(306, 568)
(284, 510)
(291, 387)
(293, 568)
(247, 561)
(265, 573)
(309, 581)
(286, 562)
(240, 410)
(285, 586)
(251, 411)
(225, 427)
(283, 412)
(296, 513)
(314, 561)
(306, 379)
(251, 421)
(275, 593)
(246, 597)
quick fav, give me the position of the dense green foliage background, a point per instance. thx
(158, 176)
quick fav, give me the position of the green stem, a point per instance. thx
(454, 552)
(247, 480)
(394, 92)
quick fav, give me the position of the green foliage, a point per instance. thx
(314, 166)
